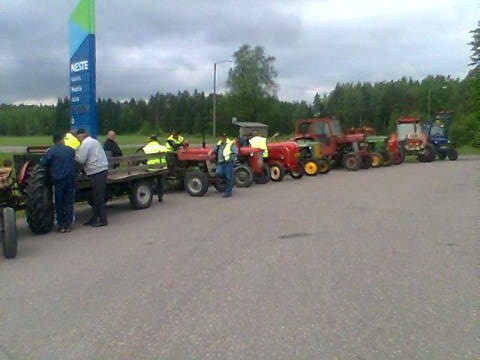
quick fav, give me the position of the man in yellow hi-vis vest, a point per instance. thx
(259, 142)
(226, 154)
(71, 140)
(153, 147)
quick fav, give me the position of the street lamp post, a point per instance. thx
(215, 95)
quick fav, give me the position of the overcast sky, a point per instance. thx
(145, 46)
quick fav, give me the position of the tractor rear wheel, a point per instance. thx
(352, 162)
(311, 167)
(428, 153)
(277, 171)
(264, 176)
(141, 195)
(8, 232)
(324, 167)
(441, 155)
(243, 176)
(377, 160)
(196, 183)
(39, 201)
(388, 158)
(453, 155)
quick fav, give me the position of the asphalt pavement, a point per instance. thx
(376, 264)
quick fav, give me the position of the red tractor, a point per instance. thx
(283, 157)
(414, 140)
(351, 151)
(195, 170)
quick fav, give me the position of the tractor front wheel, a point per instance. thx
(39, 201)
(377, 160)
(277, 171)
(311, 167)
(8, 232)
(196, 183)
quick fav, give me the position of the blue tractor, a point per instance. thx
(437, 132)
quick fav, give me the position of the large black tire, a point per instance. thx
(452, 155)
(243, 176)
(141, 195)
(311, 167)
(352, 162)
(277, 171)
(324, 167)
(8, 228)
(428, 154)
(366, 161)
(441, 155)
(39, 201)
(264, 176)
(377, 160)
(196, 183)
(297, 174)
(388, 158)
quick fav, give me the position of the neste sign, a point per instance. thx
(79, 66)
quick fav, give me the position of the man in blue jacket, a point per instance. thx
(60, 162)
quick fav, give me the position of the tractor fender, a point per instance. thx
(22, 173)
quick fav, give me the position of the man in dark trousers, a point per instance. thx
(94, 160)
(60, 161)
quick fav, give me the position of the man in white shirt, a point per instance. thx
(94, 160)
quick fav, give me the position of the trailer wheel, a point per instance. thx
(39, 201)
(377, 159)
(351, 162)
(311, 167)
(9, 233)
(196, 183)
(264, 176)
(453, 155)
(277, 171)
(324, 167)
(243, 176)
(141, 195)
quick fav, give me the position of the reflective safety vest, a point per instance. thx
(153, 147)
(259, 143)
(227, 150)
(178, 141)
(71, 141)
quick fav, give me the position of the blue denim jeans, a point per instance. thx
(64, 198)
(225, 170)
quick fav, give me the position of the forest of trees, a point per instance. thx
(252, 96)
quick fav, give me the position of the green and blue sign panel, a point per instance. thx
(83, 105)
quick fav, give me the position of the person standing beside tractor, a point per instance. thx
(60, 162)
(259, 142)
(226, 154)
(71, 140)
(111, 146)
(94, 160)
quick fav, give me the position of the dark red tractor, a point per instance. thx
(351, 151)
